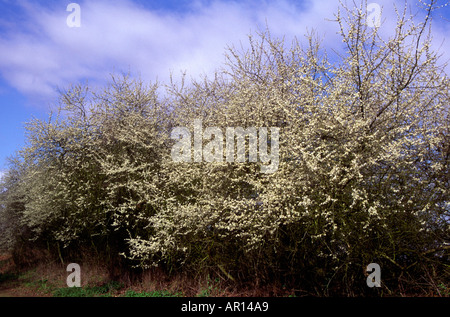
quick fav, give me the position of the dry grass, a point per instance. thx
(6, 263)
(189, 285)
(44, 276)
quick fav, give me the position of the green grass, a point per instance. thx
(41, 285)
(105, 290)
(210, 289)
(31, 281)
(444, 290)
(48, 286)
(162, 293)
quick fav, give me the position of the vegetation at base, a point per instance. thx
(363, 171)
(132, 293)
(31, 282)
(105, 290)
(8, 276)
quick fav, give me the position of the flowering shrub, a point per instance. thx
(362, 175)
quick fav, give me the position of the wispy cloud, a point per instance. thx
(43, 53)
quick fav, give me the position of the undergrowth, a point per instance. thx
(159, 293)
(104, 290)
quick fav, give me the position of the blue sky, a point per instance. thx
(40, 53)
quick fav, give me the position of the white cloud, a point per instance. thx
(44, 53)
(124, 36)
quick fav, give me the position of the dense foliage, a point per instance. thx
(363, 173)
